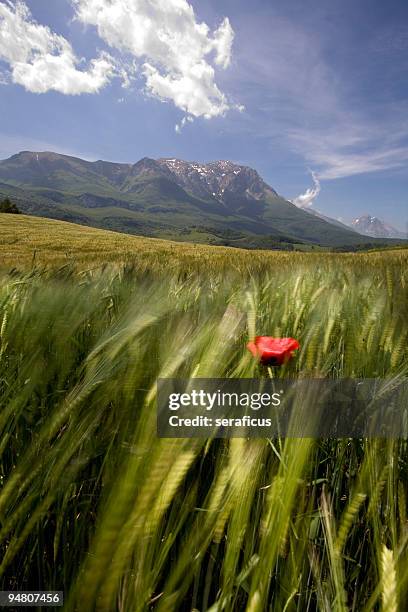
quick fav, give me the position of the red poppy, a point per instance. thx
(273, 351)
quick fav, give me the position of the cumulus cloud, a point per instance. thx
(161, 40)
(41, 60)
(305, 200)
(177, 52)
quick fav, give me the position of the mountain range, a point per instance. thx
(216, 203)
(373, 226)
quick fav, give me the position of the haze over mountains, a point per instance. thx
(365, 224)
(373, 226)
(216, 203)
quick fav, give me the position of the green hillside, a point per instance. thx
(147, 199)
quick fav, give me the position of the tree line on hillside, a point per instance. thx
(7, 206)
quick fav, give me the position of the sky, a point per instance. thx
(313, 95)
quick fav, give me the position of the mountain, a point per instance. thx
(318, 213)
(373, 226)
(221, 180)
(216, 203)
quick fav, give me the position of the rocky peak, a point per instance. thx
(217, 179)
(373, 226)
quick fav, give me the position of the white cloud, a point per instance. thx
(195, 93)
(352, 148)
(222, 43)
(41, 60)
(179, 126)
(178, 55)
(176, 50)
(314, 107)
(305, 200)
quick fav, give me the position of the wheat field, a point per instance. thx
(92, 502)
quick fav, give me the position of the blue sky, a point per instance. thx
(289, 88)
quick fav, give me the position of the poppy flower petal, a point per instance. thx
(273, 351)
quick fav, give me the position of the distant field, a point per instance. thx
(26, 241)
